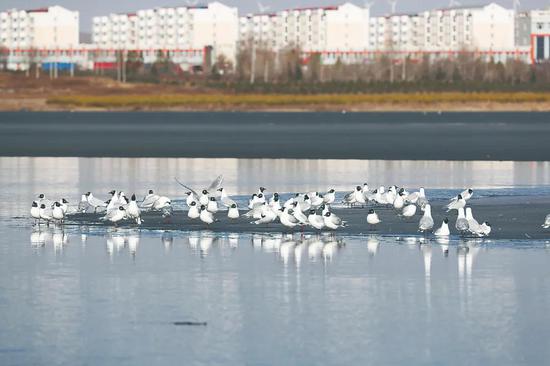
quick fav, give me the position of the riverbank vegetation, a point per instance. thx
(216, 100)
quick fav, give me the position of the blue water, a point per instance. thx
(88, 295)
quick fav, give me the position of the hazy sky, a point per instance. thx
(90, 8)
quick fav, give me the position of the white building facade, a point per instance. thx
(484, 30)
(48, 28)
(396, 32)
(182, 30)
(52, 32)
(533, 32)
(342, 28)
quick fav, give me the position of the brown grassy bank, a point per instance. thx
(293, 101)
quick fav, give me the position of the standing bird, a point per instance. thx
(546, 224)
(45, 213)
(115, 216)
(190, 198)
(57, 212)
(350, 198)
(391, 194)
(43, 200)
(94, 202)
(133, 210)
(332, 221)
(204, 197)
(399, 202)
(150, 199)
(443, 229)
(275, 202)
(287, 218)
(233, 212)
(473, 225)
(315, 220)
(212, 205)
(206, 216)
(372, 218)
(461, 222)
(113, 201)
(329, 197)
(316, 199)
(299, 215)
(380, 196)
(35, 212)
(193, 212)
(426, 223)
(64, 205)
(83, 205)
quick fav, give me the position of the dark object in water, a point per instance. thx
(191, 323)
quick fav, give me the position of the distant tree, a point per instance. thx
(4, 55)
(134, 62)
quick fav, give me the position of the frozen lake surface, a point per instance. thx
(102, 295)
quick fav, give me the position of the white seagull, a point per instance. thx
(372, 218)
(45, 213)
(460, 202)
(466, 194)
(94, 202)
(115, 216)
(287, 218)
(233, 212)
(193, 212)
(486, 228)
(35, 211)
(443, 229)
(212, 205)
(57, 212)
(206, 216)
(332, 221)
(133, 210)
(315, 220)
(473, 226)
(461, 223)
(409, 210)
(426, 222)
(329, 197)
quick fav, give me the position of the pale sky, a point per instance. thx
(90, 8)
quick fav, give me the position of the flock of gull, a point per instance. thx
(311, 209)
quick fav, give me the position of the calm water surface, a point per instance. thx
(111, 296)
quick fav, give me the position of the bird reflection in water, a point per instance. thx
(56, 236)
(118, 240)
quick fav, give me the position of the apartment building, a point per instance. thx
(396, 32)
(339, 29)
(533, 32)
(53, 27)
(189, 28)
(482, 28)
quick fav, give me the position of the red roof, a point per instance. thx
(39, 10)
(315, 8)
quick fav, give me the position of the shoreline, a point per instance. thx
(41, 105)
